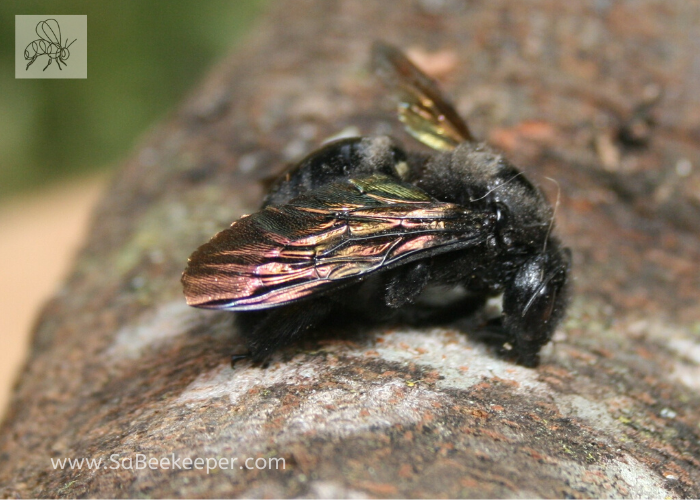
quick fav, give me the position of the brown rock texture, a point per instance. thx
(601, 96)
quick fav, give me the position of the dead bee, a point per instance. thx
(360, 226)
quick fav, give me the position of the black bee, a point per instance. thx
(362, 227)
(49, 44)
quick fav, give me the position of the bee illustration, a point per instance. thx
(49, 44)
(362, 227)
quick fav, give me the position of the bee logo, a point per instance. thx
(49, 44)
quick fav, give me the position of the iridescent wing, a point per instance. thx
(422, 109)
(319, 241)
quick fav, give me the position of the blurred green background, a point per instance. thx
(142, 57)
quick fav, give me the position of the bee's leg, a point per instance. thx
(462, 311)
(403, 285)
(398, 295)
(49, 64)
(235, 358)
(380, 297)
(269, 330)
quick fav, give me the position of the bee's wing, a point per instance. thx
(423, 110)
(318, 241)
(50, 31)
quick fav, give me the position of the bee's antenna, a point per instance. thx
(554, 213)
(495, 188)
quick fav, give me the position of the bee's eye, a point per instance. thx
(547, 305)
(550, 293)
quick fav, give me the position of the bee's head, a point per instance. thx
(535, 301)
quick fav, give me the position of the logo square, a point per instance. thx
(51, 46)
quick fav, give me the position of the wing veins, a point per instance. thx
(284, 253)
(422, 108)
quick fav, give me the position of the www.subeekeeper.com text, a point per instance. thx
(140, 461)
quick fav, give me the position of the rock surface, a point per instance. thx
(601, 96)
